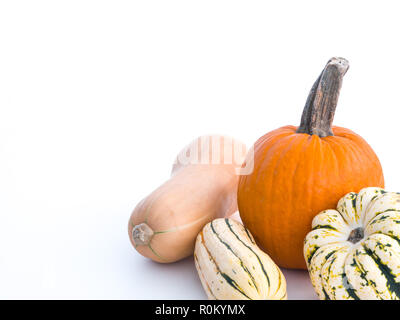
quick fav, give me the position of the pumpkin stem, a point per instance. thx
(321, 103)
(142, 234)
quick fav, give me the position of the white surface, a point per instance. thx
(97, 97)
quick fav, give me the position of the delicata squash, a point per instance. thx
(232, 267)
(202, 187)
(353, 252)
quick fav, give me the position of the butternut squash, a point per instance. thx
(202, 187)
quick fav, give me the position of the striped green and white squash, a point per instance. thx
(353, 253)
(232, 267)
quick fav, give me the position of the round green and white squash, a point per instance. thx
(232, 267)
(353, 252)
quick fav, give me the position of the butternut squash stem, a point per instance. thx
(142, 234)
(321, 103)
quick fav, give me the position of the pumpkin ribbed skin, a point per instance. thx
(232, 267)
(295, 176)
(353, 252)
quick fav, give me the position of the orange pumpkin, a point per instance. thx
(300, 171)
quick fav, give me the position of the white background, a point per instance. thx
(97, 97)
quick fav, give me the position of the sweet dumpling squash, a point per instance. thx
(353, 252)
